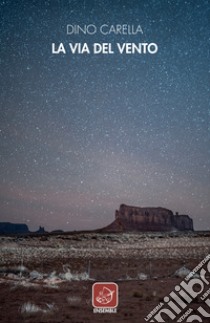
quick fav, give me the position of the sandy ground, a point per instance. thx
(56, 274)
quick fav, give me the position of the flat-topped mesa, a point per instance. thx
(13, 228)
(132, 218)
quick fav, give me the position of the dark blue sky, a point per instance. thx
(81, 134)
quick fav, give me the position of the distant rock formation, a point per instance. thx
(18, 228)
(132, 218)
(13, 228)
(40, 230)
(57, 231)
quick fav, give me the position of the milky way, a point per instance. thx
(81, 134)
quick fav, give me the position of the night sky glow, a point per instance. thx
(81, 134)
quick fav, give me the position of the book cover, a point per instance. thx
(105, 161)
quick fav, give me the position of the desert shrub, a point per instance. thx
(29, 308)
(74, 299)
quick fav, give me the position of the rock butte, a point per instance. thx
(132, 218)
(17, 228)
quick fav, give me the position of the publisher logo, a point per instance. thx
(177, 304)
(104, 296)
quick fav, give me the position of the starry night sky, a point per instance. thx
(81, 134)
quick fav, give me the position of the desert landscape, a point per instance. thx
(49, 277)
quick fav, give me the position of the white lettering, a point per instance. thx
(79, 48)
(60, 49)
(103, 48)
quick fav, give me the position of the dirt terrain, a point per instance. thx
(49, 278)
